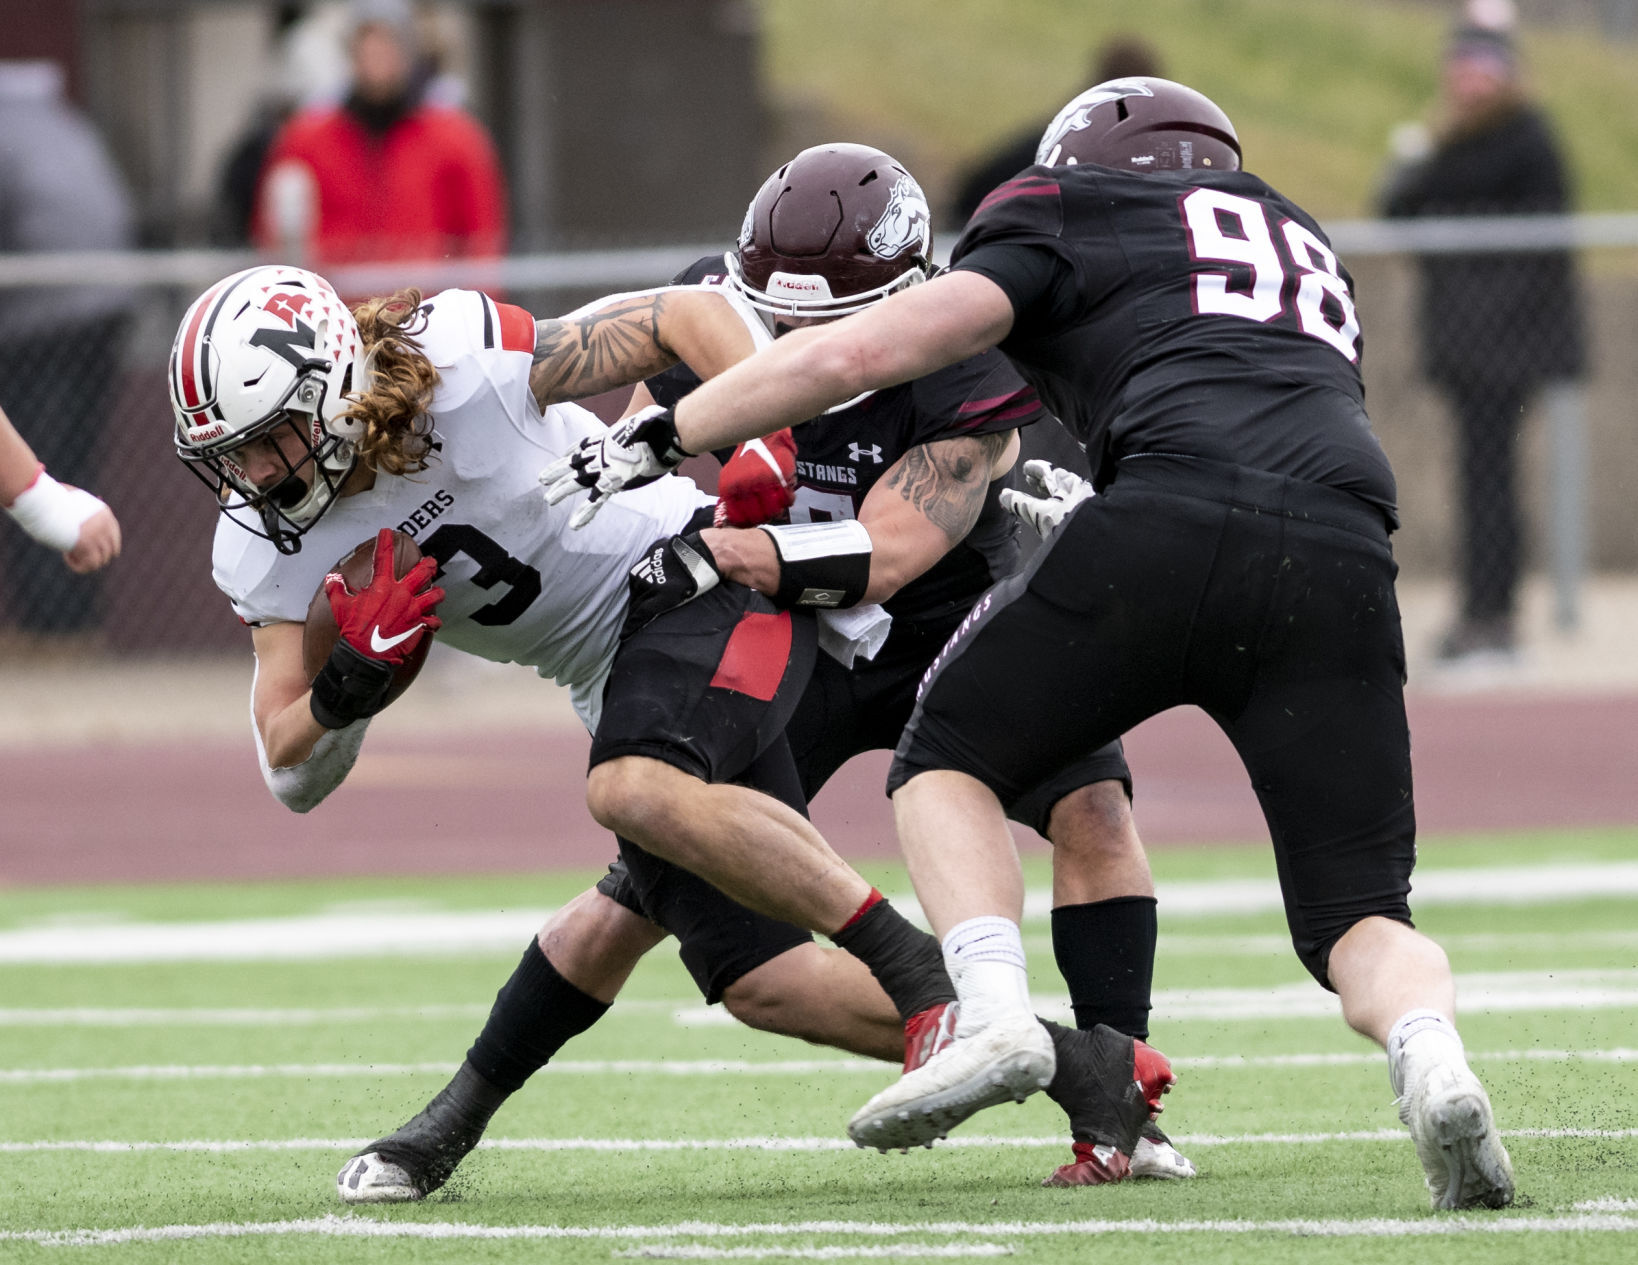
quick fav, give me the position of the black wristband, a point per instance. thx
(821, 564)
(349, 687)
(674, 453)
(657, 431)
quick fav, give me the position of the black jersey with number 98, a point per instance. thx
(1198, 313)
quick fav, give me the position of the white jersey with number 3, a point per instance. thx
(521, 585)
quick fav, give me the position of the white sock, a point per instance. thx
(985, 958)
(1430, 1035)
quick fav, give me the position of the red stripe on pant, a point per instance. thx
(754, 660)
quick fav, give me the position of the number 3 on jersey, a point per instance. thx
(1227, 228)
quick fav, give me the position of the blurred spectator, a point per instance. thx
(387, 174)
(1495, 326)
(307, 66)
(1121, 57)
(60, 346)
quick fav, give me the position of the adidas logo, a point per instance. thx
(651, 570)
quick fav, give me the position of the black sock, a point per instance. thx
(1106, 953)
(535, 1013)
(906, 961)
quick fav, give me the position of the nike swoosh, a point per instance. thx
(381, 644)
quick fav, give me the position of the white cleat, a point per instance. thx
(1158, 1158)
(1462, 1155)
(369, 1179)
(1009, 1060)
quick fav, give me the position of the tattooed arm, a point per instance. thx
(625, 338)
(917, 512)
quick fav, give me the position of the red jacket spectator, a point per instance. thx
(385, 175)
(429, 187)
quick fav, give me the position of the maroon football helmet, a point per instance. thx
(834, 230)
(1141, 124)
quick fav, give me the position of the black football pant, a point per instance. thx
(1265, 601)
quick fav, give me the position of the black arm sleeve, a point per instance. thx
(1037, 280)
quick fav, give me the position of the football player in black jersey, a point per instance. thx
(916, 470)
(919, 465)
(1197, 332)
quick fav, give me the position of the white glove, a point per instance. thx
(1058, 491)
(639, 450)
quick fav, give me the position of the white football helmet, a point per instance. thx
(268, 346)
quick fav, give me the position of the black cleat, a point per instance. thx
(1109, 1085)
(422, 1155)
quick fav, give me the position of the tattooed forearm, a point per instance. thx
(614, 346)
(947, 481)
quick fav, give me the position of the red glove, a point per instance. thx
(388, 618)
(758, 482)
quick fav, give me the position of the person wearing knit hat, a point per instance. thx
(389, 173)
(1494, 326)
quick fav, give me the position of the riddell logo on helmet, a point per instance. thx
(799, 285)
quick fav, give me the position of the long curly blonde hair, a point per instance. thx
(392, 407)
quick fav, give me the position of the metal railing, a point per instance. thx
(104, 418)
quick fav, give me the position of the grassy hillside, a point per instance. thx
(1314, 86)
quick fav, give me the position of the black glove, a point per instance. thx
(673, 571)
(349, 687)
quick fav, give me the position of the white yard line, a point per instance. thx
(1488, 991)
(1279, 946)
(373, 932)
(1496, 992)
(888, 1252)
(371, 1228)
(719, 1067)
(341, 1146)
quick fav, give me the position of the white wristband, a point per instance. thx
(53, 513)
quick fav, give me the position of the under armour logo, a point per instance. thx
(855, 453)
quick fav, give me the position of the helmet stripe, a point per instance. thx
(205, 384)
(192, 393)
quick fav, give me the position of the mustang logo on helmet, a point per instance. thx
(1078, 113)
(906, 222)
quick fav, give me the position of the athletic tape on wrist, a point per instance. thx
(349, 687)
(53, 513)
(821, 564)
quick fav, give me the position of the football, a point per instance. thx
(358, 568)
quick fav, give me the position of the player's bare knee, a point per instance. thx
(617, 795)
(594, 925)
(772, 997)
(1093, 824)
(757, 1004)
(638, 799)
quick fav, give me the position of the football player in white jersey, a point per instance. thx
(67, 519)
(293, 485)
(315, 428)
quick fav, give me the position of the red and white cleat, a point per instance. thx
(928, 1031)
